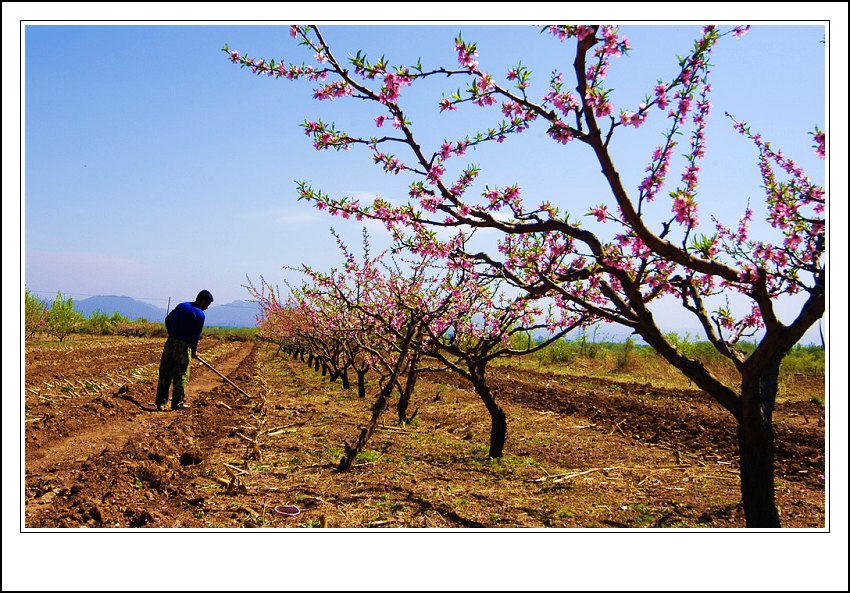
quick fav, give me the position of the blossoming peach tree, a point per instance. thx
(619, 276)
(319, 329)
(299, 328)
(400, 309)
(386, 305)
(487, 322)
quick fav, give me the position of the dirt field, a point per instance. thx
(581, 452)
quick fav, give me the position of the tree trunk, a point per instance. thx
(346, 384)
(498, 422)
(404, 397)
(351, 452)
(755, 441)
(316, 363)
(324, 369)
(310, 359)
(361, 382)
(381, 404)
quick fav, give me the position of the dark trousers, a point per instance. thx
(173, 370)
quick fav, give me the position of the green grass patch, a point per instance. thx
(644, 517)
(586, 352)
(232, 334)
(367, 455)
(333, 454)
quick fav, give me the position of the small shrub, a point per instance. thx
(63, 319)
(141, 329)
(99, 324)
(558, 352)
(35, 314)
(804, 360)
(625, 353)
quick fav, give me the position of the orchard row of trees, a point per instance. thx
(390, 313)
(446, 297)
(59, 319)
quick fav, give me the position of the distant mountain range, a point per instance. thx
(126, 306)
(234, 314)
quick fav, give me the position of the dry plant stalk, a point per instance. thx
(236, 485)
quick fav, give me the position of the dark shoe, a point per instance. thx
(160, 408)
(181, 407)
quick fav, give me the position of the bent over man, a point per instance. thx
(184, 325)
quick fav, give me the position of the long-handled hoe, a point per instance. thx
(213, 369)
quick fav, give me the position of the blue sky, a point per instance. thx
(154, 167)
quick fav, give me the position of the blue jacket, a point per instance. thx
(186, 322)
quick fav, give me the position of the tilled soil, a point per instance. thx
(97, 452)
(581, 452)
(682, 420)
